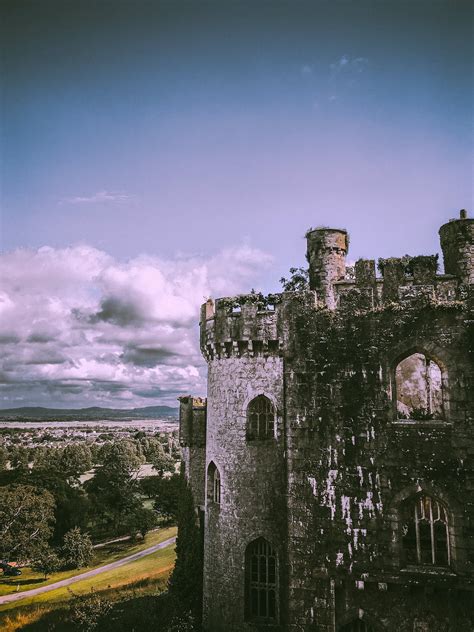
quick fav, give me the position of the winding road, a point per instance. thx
(95, 571)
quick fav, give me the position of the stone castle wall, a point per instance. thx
(328, 490)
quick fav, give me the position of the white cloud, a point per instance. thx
(346, 64)
(100, 196)
(79, 328)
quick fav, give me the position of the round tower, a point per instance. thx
(457, 243)
(245, 518)
(326, 253)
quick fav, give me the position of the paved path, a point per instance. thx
(94, 571)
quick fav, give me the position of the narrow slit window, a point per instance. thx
(213, 484)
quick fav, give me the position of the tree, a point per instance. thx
(48, 562)
(77, 549)
(186, 580)
(19, 458)
(114, 490)
(26, 518)
(3, 458)
(161, 461)
(72, 503)
(87, 611)
(141, 520)
(298, 281)
(75, 459)
(167, 495)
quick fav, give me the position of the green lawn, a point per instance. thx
(30, 579)
(147, 569)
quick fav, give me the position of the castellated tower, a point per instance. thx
(332, 465)
(245, 464)
(326, 255)
(457, 242)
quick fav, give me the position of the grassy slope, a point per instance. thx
(133, 589)
(110, 553)
(152, 567)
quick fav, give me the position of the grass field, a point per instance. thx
(129, 586)
(146, 569)
(109, 553)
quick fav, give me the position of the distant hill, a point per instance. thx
(37, 413)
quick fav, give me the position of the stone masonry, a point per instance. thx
(348, 503)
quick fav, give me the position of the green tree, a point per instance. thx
(26, 518)
(19, 458)
(162, 462)
(141, 520)
(114, 491)
(186, 580)
(3, 458)
(47, 563)
(77, 549)
(167, 494)
(74, 460)
(87, 611)
(72, 503)
(298, 281)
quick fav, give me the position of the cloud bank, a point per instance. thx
(80, 328)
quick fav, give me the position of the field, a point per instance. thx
(104, 555)
(129, 584)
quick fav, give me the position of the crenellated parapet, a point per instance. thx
(248, 325)
(253, 325)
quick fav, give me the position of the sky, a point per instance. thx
(154, 154)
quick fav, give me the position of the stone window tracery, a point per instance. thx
(261, 579)
(425, 532)
(419, 389)
(213, 484)
(260, 419)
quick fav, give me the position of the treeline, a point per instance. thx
(49, 513)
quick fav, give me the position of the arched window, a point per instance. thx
(213, 484)
(358, 625)
(425, 532)
(260, 419)
(261, 581)
(419, 388)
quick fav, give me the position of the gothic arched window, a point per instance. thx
(358, 625)
(260, 419)
(261, 569)
(419, 388)
(425, 532)
(213, 484)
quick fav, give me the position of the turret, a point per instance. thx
(457, 243)
(192, 438)
(326, 253)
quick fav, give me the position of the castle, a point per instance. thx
(332, 464)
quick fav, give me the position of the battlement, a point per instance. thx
(252, 325)
(247, 325)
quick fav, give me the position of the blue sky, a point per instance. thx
(191, 132)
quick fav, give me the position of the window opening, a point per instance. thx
(260, 418)
(425, 531)
(213, 484)
(419, 388)
(261, 571)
